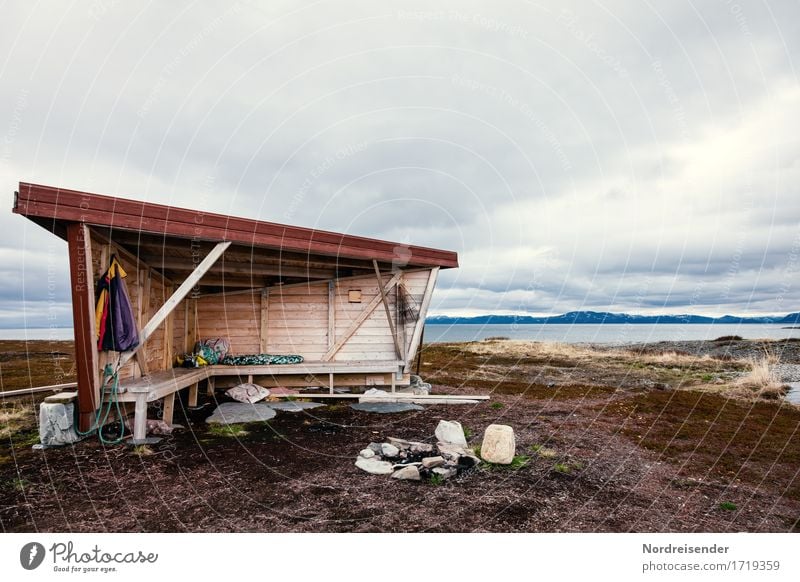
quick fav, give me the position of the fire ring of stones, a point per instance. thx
(415, 461)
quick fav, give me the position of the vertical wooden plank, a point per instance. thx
(82, 284)
(141, 355)
(423, 312)
(191, 324)
(169, 324)
(331, 313)
(169, 408)
(193, 395)
(264, 320)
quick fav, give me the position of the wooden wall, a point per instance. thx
(296, 319)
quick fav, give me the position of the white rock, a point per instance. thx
(374, 395)
(401, 465)
(374, 466)
(409, 472)
(399, 443)
(451, 432)
(431, 462)
(389, 450)
(498, 444)
(445, 472)
(421, 447)
(248, 393)
(367, 453)
(450, 451)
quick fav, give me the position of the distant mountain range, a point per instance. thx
(595, 317)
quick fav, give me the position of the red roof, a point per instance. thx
(47, 202)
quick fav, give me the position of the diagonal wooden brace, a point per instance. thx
(175, 299)
(385, 301)
(358, 321)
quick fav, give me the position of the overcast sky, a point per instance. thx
(618, 156)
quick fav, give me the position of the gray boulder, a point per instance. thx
(409, 472)
(57, 424)
(374, 466)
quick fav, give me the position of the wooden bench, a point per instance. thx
(164, 384)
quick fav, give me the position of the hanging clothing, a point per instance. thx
(114, 320)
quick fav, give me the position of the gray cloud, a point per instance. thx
(620, 156)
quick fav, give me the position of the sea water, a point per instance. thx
(607, 333)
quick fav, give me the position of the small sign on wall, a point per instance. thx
(354, 295)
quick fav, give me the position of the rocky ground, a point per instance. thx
(607, 440)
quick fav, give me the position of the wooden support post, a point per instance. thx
(210, 387)
(82, 284)
(140, 417)
(169, 408)
(358, 321)
(385, 301)
(331, 313)
(191, 325)
(330, 382)
(264, 320)
(169, 328)
(423, 312)
(144, 315)
(171, 303)
(193, 395)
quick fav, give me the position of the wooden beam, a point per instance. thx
(123, 252)
(236, 268)
(145, 288)
(423, 312)
(190, 329)
(83, 317)
(331, 313)
(264, 320)
(169, 325)
(171, 303)
(358, 321)
(385, 301)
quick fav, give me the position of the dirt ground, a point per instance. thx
(607, 440)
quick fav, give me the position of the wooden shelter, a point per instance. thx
(268, 288)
